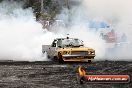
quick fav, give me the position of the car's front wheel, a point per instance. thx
(89, 61)
(60, 59)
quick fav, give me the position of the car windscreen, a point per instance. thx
(69, 42)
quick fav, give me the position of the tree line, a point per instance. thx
(49, 10)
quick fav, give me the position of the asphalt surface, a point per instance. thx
(53, 75)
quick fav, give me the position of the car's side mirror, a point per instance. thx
(54, 45)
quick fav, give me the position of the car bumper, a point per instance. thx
(77, 57)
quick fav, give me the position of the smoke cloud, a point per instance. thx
(21, 37)
(115, 12)
(119, 15)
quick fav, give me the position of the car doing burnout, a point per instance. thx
(68, 49)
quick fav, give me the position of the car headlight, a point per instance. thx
(93, 52)
(67, 52)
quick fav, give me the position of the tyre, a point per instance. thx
(89, 61)
(60, 59)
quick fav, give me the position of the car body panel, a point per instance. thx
(69, 52)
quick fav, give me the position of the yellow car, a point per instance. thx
(69, 49)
